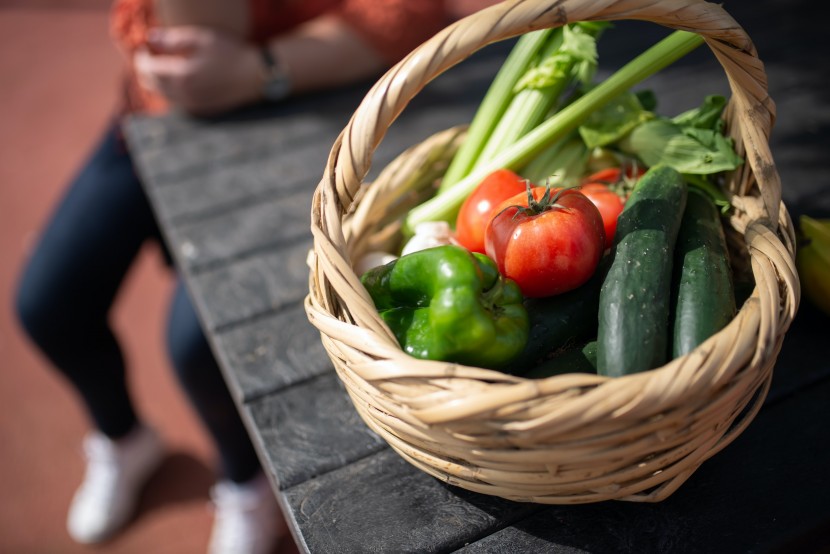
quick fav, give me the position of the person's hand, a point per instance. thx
(200, 70)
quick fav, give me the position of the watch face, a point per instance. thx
(277, 87)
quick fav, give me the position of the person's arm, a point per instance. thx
(325, 52)
(205, 70)
(200, 70)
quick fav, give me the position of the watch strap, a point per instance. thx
(277, 85)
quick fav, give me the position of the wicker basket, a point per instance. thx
(572, 438)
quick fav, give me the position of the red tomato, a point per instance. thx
(550, 248)
(609, 204)
(612, 175)
(477, 209)
(608, 189)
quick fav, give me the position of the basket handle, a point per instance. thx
(351, 155)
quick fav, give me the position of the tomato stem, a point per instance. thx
(545, 203)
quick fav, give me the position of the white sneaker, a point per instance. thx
(247, 519)
(116, 471)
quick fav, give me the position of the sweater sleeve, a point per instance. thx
(129, 22)
(394, 27)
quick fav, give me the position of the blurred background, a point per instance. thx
(59, 76)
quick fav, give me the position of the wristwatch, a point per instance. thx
(277, 84)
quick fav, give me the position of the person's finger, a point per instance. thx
(177, 40)
(167, 75)
(159, 67)
(142, 64)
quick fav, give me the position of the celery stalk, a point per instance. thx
(561, 164)
(445, 205)
(528, 108)
(561, 64)
(495, 102)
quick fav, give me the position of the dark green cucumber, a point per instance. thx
(575, 360)
(560, 321)
(635, 299)
(704, 296)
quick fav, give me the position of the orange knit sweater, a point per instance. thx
(392, 27)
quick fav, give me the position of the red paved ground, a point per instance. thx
(58, 86)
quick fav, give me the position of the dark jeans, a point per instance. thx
(69, 285)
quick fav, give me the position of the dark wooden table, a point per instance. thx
(233, 196)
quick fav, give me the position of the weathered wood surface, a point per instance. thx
(233, 197)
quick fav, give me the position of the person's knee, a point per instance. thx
(36, 314)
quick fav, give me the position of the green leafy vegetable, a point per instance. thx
(614, 120)
(575, 57)
(686, 149)
(707, 116)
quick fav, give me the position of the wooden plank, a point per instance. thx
(271, 353)
(765, 491)
(256, 228)
(310, 429)
(252, 287)
(265, 174)
(174, 144)
(383, 504)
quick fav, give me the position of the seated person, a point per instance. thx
(203, 57)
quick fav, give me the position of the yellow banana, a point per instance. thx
(813, 261)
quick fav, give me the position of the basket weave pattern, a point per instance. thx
(571, 438)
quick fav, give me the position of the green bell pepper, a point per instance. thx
(446, 303)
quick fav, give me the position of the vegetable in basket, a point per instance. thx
(644, 322)
(446, 303)
(539, 70)
(479, 207)
(813, 260)
(608, 189)
(703, 292)
(581, 359)
(445, 205)
(558, 322)
(547, 240)
(532, 135)
(634, 301)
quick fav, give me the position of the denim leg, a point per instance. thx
(202, 380)
(69, 284)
